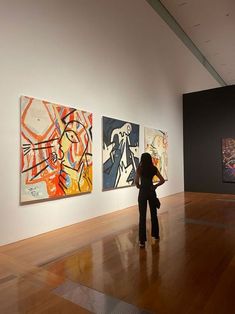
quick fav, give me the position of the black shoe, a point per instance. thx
(156, 238)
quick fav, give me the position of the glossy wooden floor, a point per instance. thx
(190, 270)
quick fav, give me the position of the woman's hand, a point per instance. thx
(161, 179)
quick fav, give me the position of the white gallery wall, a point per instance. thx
(108, 57)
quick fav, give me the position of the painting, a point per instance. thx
(156, 144)
(120, 153)
(56, 150)
(228, 155)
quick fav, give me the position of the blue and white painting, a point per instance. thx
(120, 153)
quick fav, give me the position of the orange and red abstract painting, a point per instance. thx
(56, 150)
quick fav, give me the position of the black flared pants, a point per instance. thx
(143, 199)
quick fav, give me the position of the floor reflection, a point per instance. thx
(95, 301)
(116, 266)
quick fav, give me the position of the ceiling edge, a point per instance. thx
(178, 30)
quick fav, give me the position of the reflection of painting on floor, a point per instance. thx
(120, 153)
(228, 154)
(56, 156)
(156, 144)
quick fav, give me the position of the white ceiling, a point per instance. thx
(211, 26)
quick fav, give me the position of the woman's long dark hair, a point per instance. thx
(146, 164)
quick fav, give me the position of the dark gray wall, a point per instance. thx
(208, 117)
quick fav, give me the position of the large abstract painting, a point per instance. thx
(56, 150)
(120, 153)
(228, 155)
(156, 144)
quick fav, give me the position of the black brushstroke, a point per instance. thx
(36, 165)
(39, 172)
(43, 147)
(63, 119)
(61, 184)
(26, 153)
(47, 141)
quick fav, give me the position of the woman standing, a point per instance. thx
(144, 182)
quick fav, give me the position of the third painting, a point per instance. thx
(156, 144)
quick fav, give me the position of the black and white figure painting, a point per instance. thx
(120, 153)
